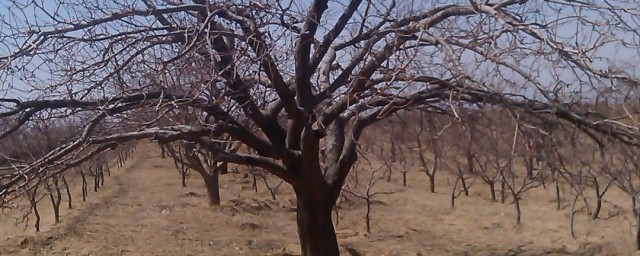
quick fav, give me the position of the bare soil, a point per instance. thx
(143, 210)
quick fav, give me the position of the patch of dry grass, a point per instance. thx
(143, 210)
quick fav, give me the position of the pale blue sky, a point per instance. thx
(618, 55)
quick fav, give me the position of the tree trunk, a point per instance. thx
(66, 186)
(58, 199)
(636, 212)
(315, 228)
(453, 193)
(596, 211)
(637, 231)
(254, 185)
(573, 216)
(34, 205)
(529, 166)
(106, 168)
(465, 188)
(503, 191)
(599, 197)
(432, 182)
(558, 200)
(492, 189)
(390, 170)
(212, 182)
(404, 178)
(183, 174)
(96, 181)
(516, 202)
(368, 215)
(101, 173)
(84, 186)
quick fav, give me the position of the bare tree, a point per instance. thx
(205, 163)
(272, 184)
(624, 169)
(284, 78)
(600, 183)
(426, 140)
(364, 189)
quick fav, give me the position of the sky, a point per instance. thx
(624, 57)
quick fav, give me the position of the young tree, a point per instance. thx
(426, 140)
(301, 75)
(363, 189)
(205, 163)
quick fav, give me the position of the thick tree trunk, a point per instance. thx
(315, 228)
(212, 182)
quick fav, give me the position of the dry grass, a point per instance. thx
(143, 210)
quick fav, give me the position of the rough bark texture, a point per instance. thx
(315, 228)
(212, 182)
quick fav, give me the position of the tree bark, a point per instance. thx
(492, 189)
(634, 206)
(558, 200)
(57, 200)
(183, 174)
(84, 186)
(516, 202)
(315, 228)
(573, 216)
(212, 182)
(368, 215)
(432, 182)
(404, 178)
(503, 190)
(596, 211)
(34, 205)
(66, 186)
(465, 188)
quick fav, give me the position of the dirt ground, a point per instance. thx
(143, 210)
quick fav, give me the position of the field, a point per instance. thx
(143, 210)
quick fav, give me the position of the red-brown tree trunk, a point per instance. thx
(315, 227)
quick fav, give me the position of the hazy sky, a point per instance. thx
(616, 54)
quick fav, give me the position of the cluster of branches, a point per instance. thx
(35, 143)
(510, 153)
